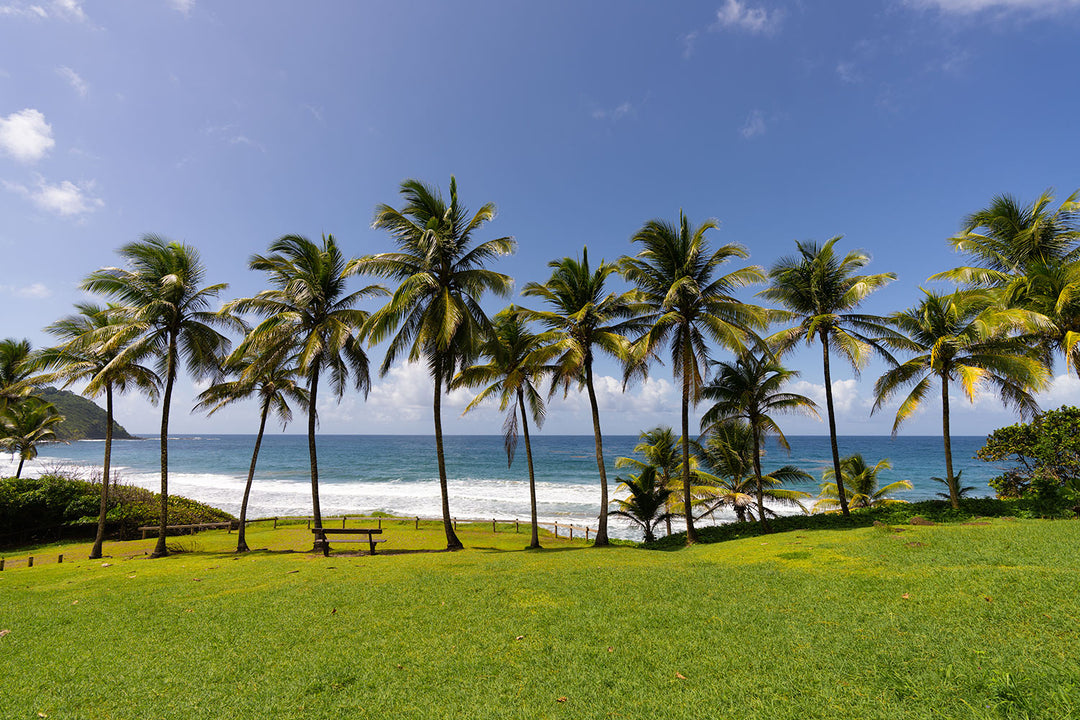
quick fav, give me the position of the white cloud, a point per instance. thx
(68, 10)
(1065, 390)
(737, 15)
(971, 7)
(846, 395)
(689, 40)
(65, 198)
(615, 114)
(33, 291)
(34, 12)
(182, 6)
(25, 135)
(245, 140)
(406, 394)
(74, 79)
(754, 125)
(847, 72)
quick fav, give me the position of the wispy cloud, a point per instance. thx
(182, 6)
(754, 125)
(245, 140)
(614, 114)
(68, 10)
(689, 41)
(737, 15)
(971, 7)
(25, 135)
(64, 198)
(74, 79)
(33, 291)
(848, 72)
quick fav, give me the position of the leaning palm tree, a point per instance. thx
(311, 318)
(91, 343)
(517, 359)
(689, 303)
(750, 389)
(163, 298)
(24, 425)
(964, 337)
(821, 290)
(862, 482)
(585, 317)
(435, 313)
(728, 452)
(646, 503)
(274, 381)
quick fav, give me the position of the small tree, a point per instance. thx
(24, 425)
(861, 480)
(1046, 452)
(646, 502)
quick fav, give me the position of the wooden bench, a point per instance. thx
(324, 542)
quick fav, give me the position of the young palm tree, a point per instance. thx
(24, 425)
(645, 506)
(92, 342)
(750, 389)
(660, 448)
(689, 303)
(274, 381)
(728, 451)
(310, 318)
(586, 318)
(862, 481)
(962, 337)
(16, 371)
(164, 300)
(516, 360)
(435, 312)
(820, 290)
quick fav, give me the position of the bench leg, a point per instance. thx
(371, 544)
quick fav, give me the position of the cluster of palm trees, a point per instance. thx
(1016, 306)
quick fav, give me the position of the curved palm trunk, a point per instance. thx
(691, 533)
(99, 537)
(832, 425)
(18, 470)
(316, 509)
(757, 479)
(601, 525)
(166, 401)
(534, 543)
(452, 542)
(241, 538)
(954, 495)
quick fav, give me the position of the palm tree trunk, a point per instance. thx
(691, 533)
(316, 509)
(832, 425)
(452, 542)
(601, 525)
(166, 401)
(534, 543)
(99, 537)
(757, 478)
(954, 495)
(241, 539)
(18, 470)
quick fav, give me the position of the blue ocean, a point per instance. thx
(398, 474)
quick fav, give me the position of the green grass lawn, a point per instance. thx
(949, 621)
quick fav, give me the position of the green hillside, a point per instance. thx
(83, 420)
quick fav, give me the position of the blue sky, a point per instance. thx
(226, 125)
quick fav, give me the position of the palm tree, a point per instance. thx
(728, 451)
(661, 449)
(862, 481)
(821, 290)
(689, 303)
(310, 318)
(956, 487)
(586, 318)
(517, 360)
(16, 371)
(435, 312)
(963, 337)
(164, 300)
(91, 343)
(24, 425)
(750, 389)
(646, 502)
(274, 381)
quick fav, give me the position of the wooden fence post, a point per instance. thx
(60, 558)
(586, 534)
(30, 561)
(492, 524)
(455, 523)
(275, 522)
(516, 529)
(556, 529)
(309, 524)
(1, 564)
(417, 523)
(571, 532)
(342, 522)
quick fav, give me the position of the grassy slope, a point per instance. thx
(811, 624)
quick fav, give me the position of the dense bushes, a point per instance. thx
(50, 505)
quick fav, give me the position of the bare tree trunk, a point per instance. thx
(832, 426)
(534, 543)
(166, 401)
(757, 477)
(316, 508)
(601, 525)
(241, 536)
(954, 495)
(691, 533)
(99, 537)
(452, 541)
(18, 470)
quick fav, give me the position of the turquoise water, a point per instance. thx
(398, 474)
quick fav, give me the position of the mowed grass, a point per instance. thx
(949, 621)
